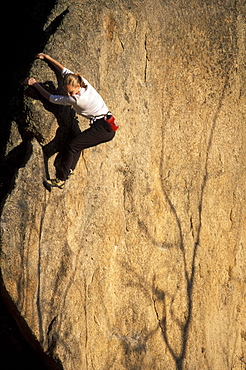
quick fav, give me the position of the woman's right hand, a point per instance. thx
(58, 66)
(41, 56)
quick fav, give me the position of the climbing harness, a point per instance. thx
(109, 118)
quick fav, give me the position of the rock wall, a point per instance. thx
(139, 263)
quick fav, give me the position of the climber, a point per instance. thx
(86, 101)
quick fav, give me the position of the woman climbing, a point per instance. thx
(86, 101)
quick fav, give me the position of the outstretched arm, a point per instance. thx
(32, 82)
(58, 66)
(56, 99)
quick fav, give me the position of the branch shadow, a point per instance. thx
(189, 270)
(189, 275)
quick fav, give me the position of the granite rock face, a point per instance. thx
(139, 263)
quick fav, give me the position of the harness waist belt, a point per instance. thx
(95, 118)
(109, 118)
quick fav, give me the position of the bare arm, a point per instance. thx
(32, 82)
(58, 66)
(55, 99)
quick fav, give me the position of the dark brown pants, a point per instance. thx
(98, 133)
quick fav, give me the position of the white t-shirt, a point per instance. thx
(86, 102)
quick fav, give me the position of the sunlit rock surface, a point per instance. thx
(139, 263)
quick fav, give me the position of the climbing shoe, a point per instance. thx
(55, 183)
(71, 173)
